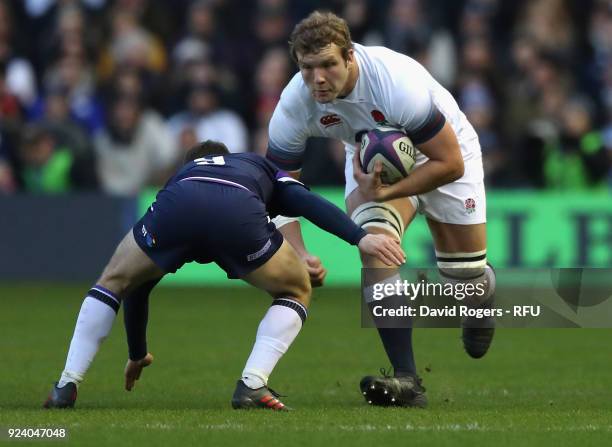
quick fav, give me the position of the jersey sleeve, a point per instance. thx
(412, 106)
(288, 132)
(135, 318)
(293, 199)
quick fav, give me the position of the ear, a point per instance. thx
(299, 57)
(350, 56)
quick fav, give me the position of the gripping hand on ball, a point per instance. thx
(133, 369)
(370, 185)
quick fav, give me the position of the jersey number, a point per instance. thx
(217, 160)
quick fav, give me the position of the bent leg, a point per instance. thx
(128, 268)
(396, 341)
(461, 252)
(286, 279)
(283, 275)
(457, 222)
(462, 258)
(452, 238)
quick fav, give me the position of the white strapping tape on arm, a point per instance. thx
(281, 221)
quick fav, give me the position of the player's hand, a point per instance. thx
(370, 185)
(133, 368)
(315, 269)
(383, 247)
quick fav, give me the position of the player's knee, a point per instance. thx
(372, 262)
(302, 289)
(303, 295)
(293, 283)
(128, 268)
(374, 217)
(114, 276)
(490, 280)
(381, 218)
(115, 280)
(369, 261)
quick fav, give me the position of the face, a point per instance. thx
(37, 153)
(327, 74)
(126, 115)
(202, 102)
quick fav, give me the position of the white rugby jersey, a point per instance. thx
(392, 89)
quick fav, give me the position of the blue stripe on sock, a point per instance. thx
(110, 301)
(292, 304)
(107, 292)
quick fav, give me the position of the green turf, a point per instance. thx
(535, 387)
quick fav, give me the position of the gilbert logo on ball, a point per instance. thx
(392, 148)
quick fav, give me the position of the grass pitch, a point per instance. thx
(535, 387)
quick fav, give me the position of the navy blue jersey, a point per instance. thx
(217, 209)
(250, 171)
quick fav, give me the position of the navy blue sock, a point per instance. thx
(398, 345)
(397, 340)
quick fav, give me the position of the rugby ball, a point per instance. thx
(393, 148)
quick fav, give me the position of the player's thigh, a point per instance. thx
(128, 268)
(390, 218)
(456, 216)
(283, 274)
(456, 238)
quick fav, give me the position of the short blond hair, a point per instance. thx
(317, 31)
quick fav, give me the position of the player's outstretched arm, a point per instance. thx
(296, 200)
(133, 369)
(292, 231)
(135, 318)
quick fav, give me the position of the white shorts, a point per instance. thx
(460, 202)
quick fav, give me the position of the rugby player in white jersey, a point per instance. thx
(343, 89)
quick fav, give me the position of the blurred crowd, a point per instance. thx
(108, 94)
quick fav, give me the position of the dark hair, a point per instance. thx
(34, 134)
(204, 149)
(317, 31)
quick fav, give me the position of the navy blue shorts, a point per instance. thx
(206, 222)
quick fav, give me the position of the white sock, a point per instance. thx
(92, 327)
(276, 332)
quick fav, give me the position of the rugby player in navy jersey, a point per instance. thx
(215, 209)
